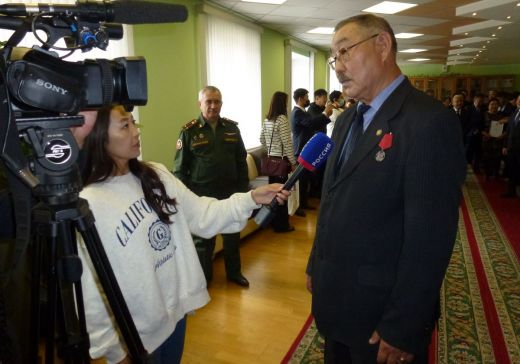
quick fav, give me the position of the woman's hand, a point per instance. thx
(81, 132)
(265, 194)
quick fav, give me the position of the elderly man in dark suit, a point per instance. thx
(389, 207)
(304, 126)
(512, 152)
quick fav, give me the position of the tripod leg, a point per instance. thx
(108, 281)
(51, 302)
(65, 320)
(35, 300)
(73, 329)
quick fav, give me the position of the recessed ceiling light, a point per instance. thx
(407, 35)
(276, 2)
(483, 46)
(419, 59)
(322, 30)
(493, 35)
(466, 33)
(508, 17)
(488, 42)
(462, 45)
(474, 14)
(518, 4)
(389, 7)
(412, 50)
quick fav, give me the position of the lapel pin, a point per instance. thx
(384, 144)
(379, 132)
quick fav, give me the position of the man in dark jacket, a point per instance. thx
(512, 152)
(383, 238)
(304, 126)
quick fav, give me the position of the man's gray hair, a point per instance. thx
(208, 89)
(370, 22)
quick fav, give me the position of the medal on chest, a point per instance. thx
(385, 143)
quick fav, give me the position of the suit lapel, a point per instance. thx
(341, 128)
(370, 138)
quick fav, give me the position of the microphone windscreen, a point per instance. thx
(145, 12)
(316, 151)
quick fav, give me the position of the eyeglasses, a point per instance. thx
(343, 53)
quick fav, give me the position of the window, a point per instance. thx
(299, 62)
(301, 73)
(233, 66)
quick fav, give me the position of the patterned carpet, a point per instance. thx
(480, 297)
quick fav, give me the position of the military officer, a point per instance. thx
(211, 161)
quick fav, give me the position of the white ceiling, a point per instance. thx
(451, 32)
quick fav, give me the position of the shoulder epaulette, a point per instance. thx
(190, 124)
(230, 121)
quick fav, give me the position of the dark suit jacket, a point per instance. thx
(316, 110)
(464, 120)
(386, 230)
(513, 135)
(304, 126)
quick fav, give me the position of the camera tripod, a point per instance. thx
(56, 218)
(65, 319)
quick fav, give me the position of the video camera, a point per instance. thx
(40, 97)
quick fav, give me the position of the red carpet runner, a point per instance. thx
(480, 297)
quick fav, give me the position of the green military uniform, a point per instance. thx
(213, 163)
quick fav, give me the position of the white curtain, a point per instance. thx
(233, 66)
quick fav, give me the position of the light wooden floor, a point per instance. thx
(257, 324)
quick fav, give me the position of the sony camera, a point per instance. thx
(39, 81)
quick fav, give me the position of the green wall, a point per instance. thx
(170, 51)
(273, 68)
(320, 71)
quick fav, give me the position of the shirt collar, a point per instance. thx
(379, 100)
(203, 122)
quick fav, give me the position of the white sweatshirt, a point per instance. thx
(155, 264)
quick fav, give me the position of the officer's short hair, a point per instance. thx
(299, 92)
(208, 89)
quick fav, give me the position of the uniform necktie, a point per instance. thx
(355, 132)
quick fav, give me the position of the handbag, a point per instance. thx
(274, 166)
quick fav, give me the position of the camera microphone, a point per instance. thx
(313, 155)
(125, 12)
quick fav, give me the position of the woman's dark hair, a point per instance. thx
(334, 95)
(278, 105)
(99, 166)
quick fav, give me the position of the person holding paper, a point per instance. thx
(492, 139)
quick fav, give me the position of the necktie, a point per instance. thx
(355, 132)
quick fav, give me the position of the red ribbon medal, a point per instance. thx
(384, 144)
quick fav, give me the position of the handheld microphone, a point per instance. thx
(126, 12)
(313, 156)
